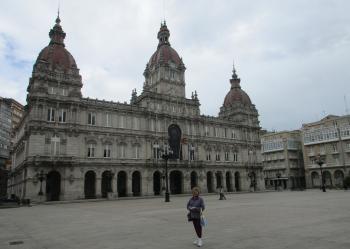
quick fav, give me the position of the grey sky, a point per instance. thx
(292, 57)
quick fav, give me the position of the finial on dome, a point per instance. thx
(58, 20)
(234, 74)
(56, 34)
(163, 34)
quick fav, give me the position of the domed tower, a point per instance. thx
(165, 71)
(237, 104)
(55, 73)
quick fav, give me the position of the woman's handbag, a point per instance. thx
(204, 221)
(189, 216)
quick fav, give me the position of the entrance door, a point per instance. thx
(156, 183)
(193, 179)
(53, 186)
(210, 182)
(121, 182)
(237, 181)
(176, 182)
(106, 183)
(136, 183)
(228, 182)
(218, 179)
(90, 185)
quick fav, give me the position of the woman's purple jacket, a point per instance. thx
(197, 205)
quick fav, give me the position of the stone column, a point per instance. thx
(114, 185)
(224, 181)
(145, 182)
(129, 184)
(202, 182)
(187, 182)
(98, 186)
(214, 182)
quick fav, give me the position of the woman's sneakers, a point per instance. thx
(198, 242)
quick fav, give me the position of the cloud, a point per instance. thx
(291, 56)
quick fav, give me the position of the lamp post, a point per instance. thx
(166, 157)
(41, 177)
(320, 162)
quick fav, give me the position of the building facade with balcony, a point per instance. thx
(329, 140)
(283, 160)
(10, 115)
(73, 147)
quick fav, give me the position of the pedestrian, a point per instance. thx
(195, 206)
(222, 195)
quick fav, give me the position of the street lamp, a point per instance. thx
(251, 174)
(166, 157)
(320, 162)
(41, 177)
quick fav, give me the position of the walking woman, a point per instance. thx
(196, 205)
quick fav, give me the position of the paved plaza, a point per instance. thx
(308, 219)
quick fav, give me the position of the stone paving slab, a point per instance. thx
(307, 219)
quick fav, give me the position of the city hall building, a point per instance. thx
(71, 147)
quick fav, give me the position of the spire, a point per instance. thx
(56, 34)
(58, 20)
(235, 81)
(163, 35)
(234, 75)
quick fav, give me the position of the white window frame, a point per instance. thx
(156, 151)
(107, 151)
(92, 118)
(108, 120)
(227, 156)
(91, 150)
(55, 143)
(136, 152)
(62, 116)
(122, 151)
(206, 131)
(191, 152)
(51, 114)
(208, 157)
(64, 92)
(235, 156)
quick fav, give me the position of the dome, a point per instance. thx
(236, 94)
(164, 53)
(55, 54)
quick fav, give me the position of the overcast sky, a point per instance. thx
(293, 57)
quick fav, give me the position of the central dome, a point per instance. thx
(55, 54)
(236, 94)
(165, 53)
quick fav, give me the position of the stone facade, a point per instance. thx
(74, 147)
(329, 140)
(283, 160)
(10, 114)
